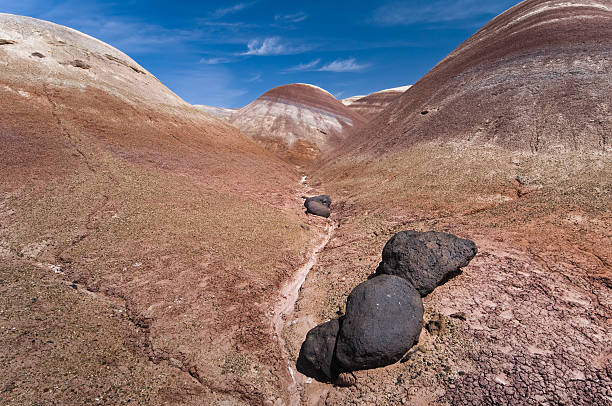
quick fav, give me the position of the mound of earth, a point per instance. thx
(297, 122)
(373, 104)
(536, 78)
(142, 243)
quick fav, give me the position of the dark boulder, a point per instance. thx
(325, 200)
(317, 352)
(384, 317)
(317, 208)
(425, 259)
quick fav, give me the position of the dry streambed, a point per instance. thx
(284, 307)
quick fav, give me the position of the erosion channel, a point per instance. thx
(285, 305)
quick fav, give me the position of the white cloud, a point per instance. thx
(437, 11)
(222, 12)
(272, 46)
(304, 66)
(255, 78)
(215, 61)
(291, 18)
(343, 65)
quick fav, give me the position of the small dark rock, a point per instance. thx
(425, 259)
(317, 352)
(459, 315)
(346, 379)
(77, 63)
(317, 208)
(384, 317)
(7, 42)
(38, 54)
(436, 325)
(325, 200)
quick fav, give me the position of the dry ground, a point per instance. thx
(141, 253)
(536, 299)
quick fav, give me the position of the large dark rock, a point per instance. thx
(317, 352)
(425, 259)
(384, 317)
(317, 208)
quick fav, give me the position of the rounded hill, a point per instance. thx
(535, 78)
(297, 121)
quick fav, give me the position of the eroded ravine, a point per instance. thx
(285, 305)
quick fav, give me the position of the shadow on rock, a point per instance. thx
(316, 358)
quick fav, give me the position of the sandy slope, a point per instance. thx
(143, 242)
(536, 298)
(512, 153)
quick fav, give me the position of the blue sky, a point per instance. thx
(227, 53)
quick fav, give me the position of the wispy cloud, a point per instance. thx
(291, 18)
(255, 78)
(215, 60)
(343, 65)
(273, 46)
(222, 12)
(225, 25)
(339, 65)
(304, 66)
(436, 11)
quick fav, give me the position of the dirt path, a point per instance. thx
(285, 305)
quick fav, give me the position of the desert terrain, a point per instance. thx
(151, 253)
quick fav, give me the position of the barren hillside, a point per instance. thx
(503, 142)
(373, 104)
(297, 122)
(134, 232)
(535, 78)
(151, 253)
(219, 112)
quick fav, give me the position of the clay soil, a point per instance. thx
(142, 252)
(529, 321)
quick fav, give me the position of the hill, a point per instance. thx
(535, 78)
(142, 242)
(218, 112)
(297, 122)
(371, 105)
(504, 143)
